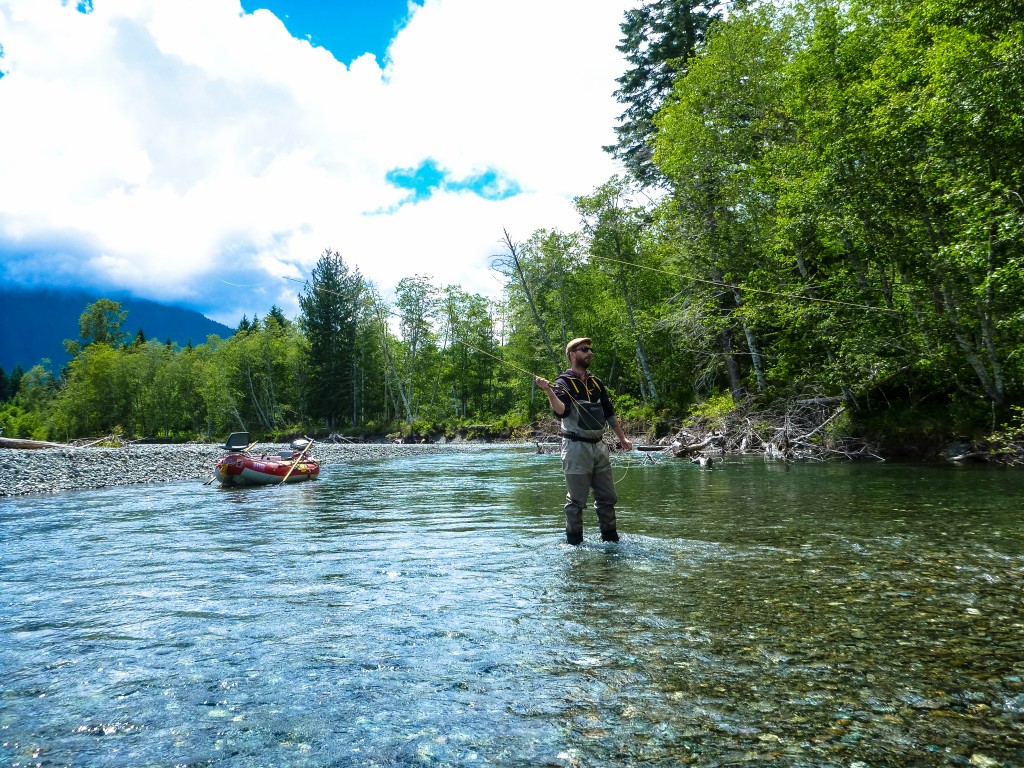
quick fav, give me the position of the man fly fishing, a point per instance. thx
(581, 400)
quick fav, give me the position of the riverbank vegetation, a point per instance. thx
(823, 203)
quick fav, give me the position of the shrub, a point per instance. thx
(715, 409)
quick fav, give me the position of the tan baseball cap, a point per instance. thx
(575, 343)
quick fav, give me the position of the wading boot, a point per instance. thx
(609, 534)
(574, 537)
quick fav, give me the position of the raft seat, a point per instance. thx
(237, 441)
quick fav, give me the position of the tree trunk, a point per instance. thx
(732, 368)
(260, 415)
(755, 354)
(641, 357)
(355, 399)
(990, 386)
(855, 262)
(983, 307)
(514, 253)
(755, 357)
(391, 365)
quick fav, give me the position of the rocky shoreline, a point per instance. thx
(51, 470)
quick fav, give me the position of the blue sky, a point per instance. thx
(207, 152)
(347, 28)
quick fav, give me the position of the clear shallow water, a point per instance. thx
(424, 611)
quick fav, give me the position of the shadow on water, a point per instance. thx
(425, 610)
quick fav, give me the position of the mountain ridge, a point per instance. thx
(35, 323)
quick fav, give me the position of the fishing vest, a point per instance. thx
(584, 417)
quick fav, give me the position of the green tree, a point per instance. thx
(515, 266)
(371, 382)
(262, 370)
(846, 198)
(88, 403)
(100, 323)
(14, 381)
(469, 352)
(612, 224)
(658, 39)
(727, 117)
(277, 315)
(37, 386)
(416, 301)
(210, 369)
(331, 304)
(944, 97)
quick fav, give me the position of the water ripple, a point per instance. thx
(425, 610)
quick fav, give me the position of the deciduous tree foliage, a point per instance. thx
(100, 323)
(854, 171)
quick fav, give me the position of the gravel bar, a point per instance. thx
(51, 470)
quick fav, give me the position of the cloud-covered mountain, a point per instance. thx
(34, 324)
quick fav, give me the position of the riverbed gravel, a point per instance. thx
(51, 470)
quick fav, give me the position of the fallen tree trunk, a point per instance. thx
(12, 442)
(682, 451)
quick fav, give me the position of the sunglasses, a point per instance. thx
(584, 349)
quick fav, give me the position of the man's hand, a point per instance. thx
(626, 443)
(542, 383)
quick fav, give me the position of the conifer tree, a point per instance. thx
(658, 38)
(330, 307)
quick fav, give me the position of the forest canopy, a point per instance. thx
(818, 199)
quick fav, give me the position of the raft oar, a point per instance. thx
(295, 462)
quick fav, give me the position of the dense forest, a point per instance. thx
(821, 200)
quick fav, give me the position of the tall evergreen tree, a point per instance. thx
(330, 309)
(278, 315)
(658, 38)
(14, 381)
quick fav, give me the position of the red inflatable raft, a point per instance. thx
(239, 467)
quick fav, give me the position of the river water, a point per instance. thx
(424, 610)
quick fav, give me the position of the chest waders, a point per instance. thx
(585, 461)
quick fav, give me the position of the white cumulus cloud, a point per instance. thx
(189, 152)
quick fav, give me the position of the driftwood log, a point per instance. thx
(796, 430)
(681, 450)
(13, 442)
